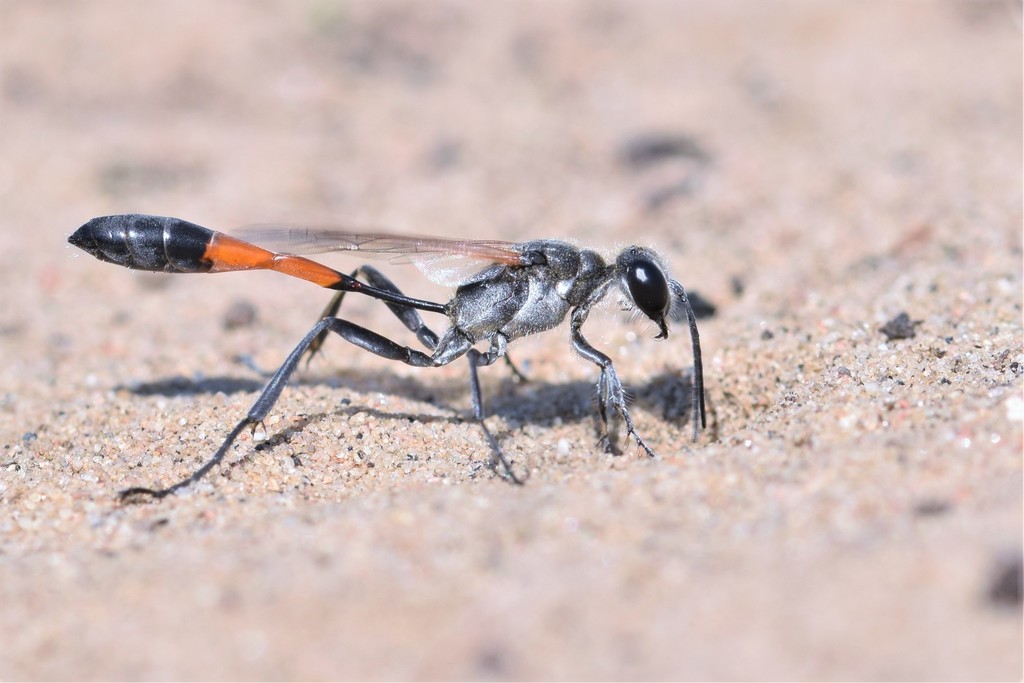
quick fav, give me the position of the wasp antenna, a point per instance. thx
(697, 409)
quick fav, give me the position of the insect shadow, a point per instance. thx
(534, 402)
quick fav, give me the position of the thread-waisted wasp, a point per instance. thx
(504, 290)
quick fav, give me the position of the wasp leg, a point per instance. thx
(409, 316)
(329, 311)
(360, 336)
(517, 374)
(608, 385)
(606, 425)
(478, 360)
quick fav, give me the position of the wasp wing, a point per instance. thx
(446, 261)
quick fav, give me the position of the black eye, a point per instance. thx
(648, 287)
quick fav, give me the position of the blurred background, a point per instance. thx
(812, 168)
(599, 121)
(762, 146)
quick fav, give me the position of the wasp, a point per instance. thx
(503, 291)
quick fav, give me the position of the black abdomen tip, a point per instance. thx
(145, 242)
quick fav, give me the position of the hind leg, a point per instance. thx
(365, 339)
(410, 317)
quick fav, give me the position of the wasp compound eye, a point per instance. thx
(648, 287)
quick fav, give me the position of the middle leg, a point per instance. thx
(478, 360)
(410, 317)
(453, 344)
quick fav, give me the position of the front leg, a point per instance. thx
(606, 428)
(609, 389)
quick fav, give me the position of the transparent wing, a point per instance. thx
(445, 261)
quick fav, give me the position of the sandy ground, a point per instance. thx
(853, 509)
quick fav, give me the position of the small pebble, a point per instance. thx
(900, 327)
(1005, 587)
(241, 313)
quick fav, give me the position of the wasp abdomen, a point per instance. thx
(146, 242)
